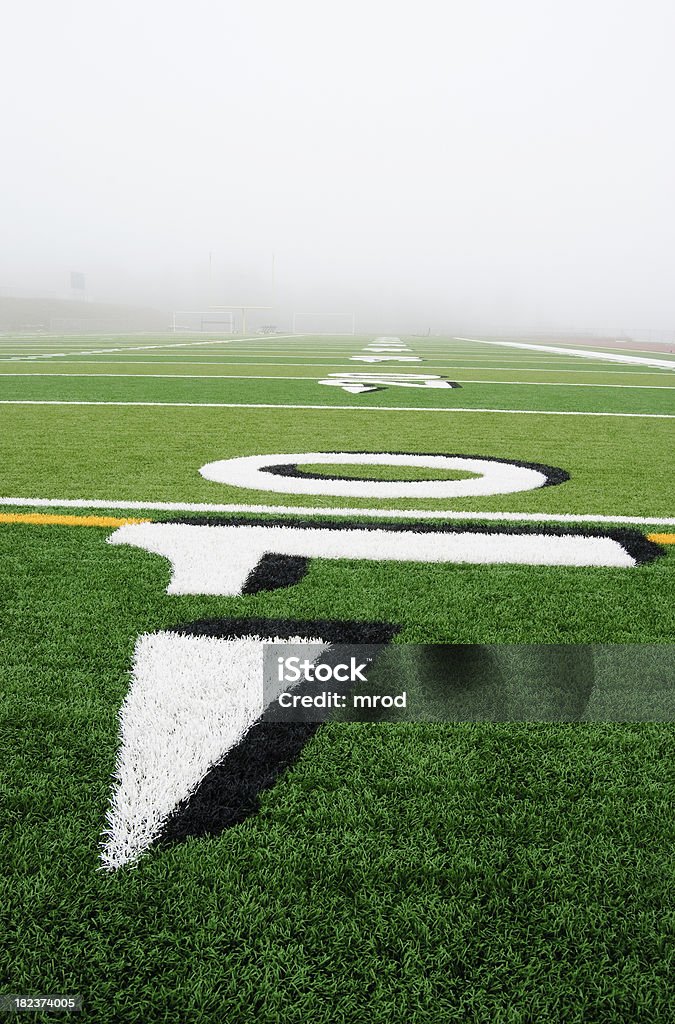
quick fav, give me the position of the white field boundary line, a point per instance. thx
(311, 379)
(290, 510)
(344, 408)
(612, 371)
(639, 351)
(594, 355)
(124, 348)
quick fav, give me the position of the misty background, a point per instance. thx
(430, 164)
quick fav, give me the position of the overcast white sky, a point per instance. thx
(510, 161)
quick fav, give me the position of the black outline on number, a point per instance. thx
(230, 791)
(554, 475)
(275, 571)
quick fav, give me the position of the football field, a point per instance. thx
(162, 497)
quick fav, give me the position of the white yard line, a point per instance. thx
(345, 408)
(125, 348)
(337, 358)
(311, 379)
(557, 384)
(386, 513)
(594, 355)
(608, 370)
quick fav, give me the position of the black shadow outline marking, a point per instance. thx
(554, 475)
(276, 572)
(229, 793)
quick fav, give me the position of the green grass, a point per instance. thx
(301, 392)
(506, 872)
(617, 466)
(509, 873)
(306, 368)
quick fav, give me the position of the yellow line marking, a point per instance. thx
(45, 519)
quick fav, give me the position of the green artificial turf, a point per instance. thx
(616, 467)
(511, 873)
(279, 392)
(468, 871)
(232, 366)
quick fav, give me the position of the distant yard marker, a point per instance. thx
(385, 359)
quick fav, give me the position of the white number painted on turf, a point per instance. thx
(359, 382)
(252, 472)
(219, 559)
(191, 700)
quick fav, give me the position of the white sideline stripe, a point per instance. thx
(125, 348)
(555, 384)
(322, 510)
(613, 357)
(310, 379)
(344, 408)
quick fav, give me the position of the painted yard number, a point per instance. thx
(195, 697)
(220, 558)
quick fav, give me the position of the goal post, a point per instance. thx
(198, 321)
(246, 312)
(324, 323)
